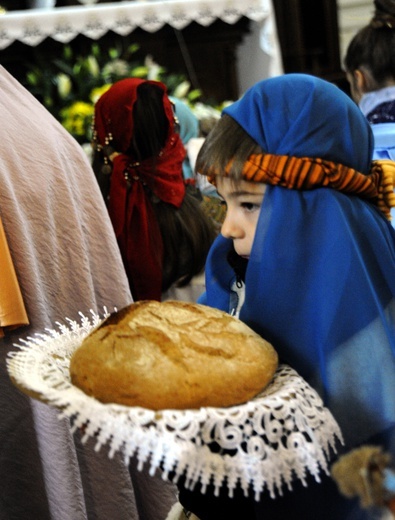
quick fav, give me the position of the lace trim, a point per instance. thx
(65, 23)
(266, 443)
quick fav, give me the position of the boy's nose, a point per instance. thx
(230, 228)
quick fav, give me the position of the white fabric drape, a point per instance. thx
(67, 261)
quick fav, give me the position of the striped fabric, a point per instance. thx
(306, 173)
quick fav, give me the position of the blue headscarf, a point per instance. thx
(188, 128)
(320, 281)
(304, 116)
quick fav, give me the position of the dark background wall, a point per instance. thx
(308, 33)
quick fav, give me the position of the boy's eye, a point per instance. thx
(223, 202)
(249, 206)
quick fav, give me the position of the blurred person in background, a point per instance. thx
(163, 234)
(370, 67)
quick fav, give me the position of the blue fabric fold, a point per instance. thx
(320, 281)
(328, 308)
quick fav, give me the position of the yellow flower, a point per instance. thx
(76, 118)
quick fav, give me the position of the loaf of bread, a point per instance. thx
(175, 355)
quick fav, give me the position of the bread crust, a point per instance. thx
(173, 355)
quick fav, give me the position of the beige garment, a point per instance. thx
(177, 512)
(67, 261)
(12, 309)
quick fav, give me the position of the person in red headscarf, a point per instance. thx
(162, 232)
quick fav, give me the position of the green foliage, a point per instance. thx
(70, 85)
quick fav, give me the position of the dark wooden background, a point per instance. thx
(307, 31)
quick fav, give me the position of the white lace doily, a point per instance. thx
(279, 436)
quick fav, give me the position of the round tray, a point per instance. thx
(265, 443)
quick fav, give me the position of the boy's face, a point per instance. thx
(243, 203)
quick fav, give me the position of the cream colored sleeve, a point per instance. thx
(177, 512)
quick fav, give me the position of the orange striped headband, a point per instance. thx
(305, 174)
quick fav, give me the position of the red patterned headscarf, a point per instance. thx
(134, 183)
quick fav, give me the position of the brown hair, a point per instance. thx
(187, 236)
(150, 123)
(227, 142)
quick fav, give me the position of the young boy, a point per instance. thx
(307, 258)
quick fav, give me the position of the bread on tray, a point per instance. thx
(175, 355)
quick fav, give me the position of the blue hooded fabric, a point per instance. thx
(319, 285)
(188, 129)
(320, 281)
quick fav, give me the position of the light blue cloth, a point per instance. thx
(320, 281)
(384, 146)
(389, 480)
(189, 128)
(384, 133)
(371, 100)
(384, 141)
